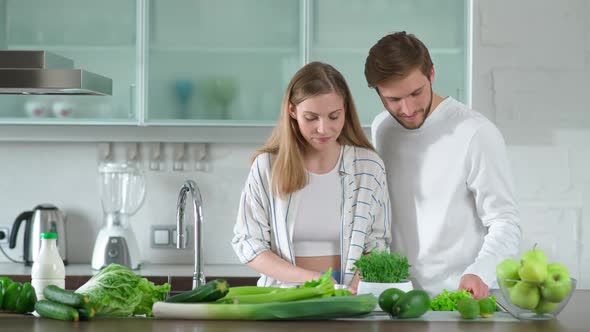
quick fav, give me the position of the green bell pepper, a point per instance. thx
(18, 297)
(26, 299)
(11, 295)
(1, 294)
(4, 281)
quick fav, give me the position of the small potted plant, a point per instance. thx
(381, 270)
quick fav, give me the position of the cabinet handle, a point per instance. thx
(132, 101)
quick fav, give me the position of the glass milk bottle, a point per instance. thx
(48, 267)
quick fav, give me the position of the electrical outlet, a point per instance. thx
(4, 235)
(164, 236)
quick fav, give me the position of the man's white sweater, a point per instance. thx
(453, 207)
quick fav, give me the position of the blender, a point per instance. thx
(122, 190)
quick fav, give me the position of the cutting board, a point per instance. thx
(437, 316)
(164, 310)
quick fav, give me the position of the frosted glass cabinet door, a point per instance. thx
(99, 36)
(227, 60)
(342, 31)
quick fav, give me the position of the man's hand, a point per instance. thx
(474, 285)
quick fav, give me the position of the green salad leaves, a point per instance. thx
(447, 301)
(116, 291)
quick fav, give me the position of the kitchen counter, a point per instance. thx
(573, 318)
(179, 275)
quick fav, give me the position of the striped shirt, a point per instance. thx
(266, 222)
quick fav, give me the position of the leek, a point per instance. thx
(320, 308)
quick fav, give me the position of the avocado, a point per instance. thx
(413, 304)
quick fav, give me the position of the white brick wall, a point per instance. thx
(531, 63)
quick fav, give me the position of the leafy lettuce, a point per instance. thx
(116, 291)
(447, 301)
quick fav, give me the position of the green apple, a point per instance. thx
(508, 269)
(525, 295)
(558, 284)
(533, 266)
(544, 307)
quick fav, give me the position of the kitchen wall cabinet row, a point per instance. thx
(205, 69)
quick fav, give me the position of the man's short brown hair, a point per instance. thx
(395, 56)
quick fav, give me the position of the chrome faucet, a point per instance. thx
(191, 186)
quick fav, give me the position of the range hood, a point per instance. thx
(41, 72)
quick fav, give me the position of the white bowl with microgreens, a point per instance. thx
(381, 270)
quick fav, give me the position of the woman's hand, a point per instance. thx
(272, 265)
(354, 284)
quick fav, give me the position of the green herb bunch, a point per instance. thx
(383, 267)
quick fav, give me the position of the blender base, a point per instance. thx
(115, 244)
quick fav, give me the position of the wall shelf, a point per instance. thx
(72, 48)
(236, 134)
(365, 50)
(224, 50)
(130, 133)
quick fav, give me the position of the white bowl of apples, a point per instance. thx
(534, 289)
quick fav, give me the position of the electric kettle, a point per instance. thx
(43, 218)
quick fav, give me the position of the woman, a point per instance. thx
(316, 196)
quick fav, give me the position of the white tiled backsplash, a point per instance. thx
(66, 176)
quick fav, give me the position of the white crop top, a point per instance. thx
(317, 224)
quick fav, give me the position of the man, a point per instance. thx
(453, 210)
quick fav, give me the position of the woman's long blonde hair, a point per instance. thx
(286, 144)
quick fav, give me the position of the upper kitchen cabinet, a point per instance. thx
(343, 31)
(221, 62)
(100, 38)
(219, 65)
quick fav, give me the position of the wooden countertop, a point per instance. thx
(575, 317)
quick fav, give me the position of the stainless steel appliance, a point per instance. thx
(43, 218)
(122, 189)
(41, 72)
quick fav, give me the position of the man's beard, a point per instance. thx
(426, 111)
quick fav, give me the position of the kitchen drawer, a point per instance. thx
(179, 284)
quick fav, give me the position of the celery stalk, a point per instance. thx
(289, 294)
(251, 290)
(323, 287)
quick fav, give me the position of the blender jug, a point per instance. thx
(122, 191)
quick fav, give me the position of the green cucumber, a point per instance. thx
(1, 294)
(11, 295)
(26, 300)
(86, 313)
(412, 304)
(208, 292)
(67, 297)
(49, 309)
